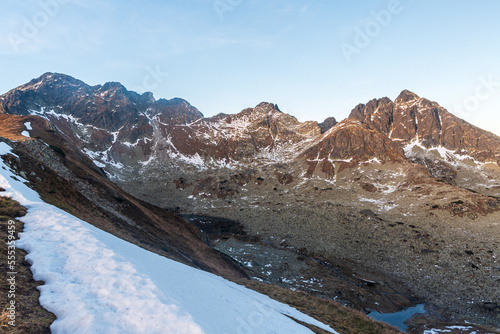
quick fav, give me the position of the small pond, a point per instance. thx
(397, 319)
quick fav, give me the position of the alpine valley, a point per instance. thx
(395, 206)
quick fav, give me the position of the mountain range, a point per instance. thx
(401, 193)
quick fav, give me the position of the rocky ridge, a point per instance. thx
(118, 128)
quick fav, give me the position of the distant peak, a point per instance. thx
(116, 86)
(51, 76)
(267, 105)
(47, 75)
(406, 96)
(148, 96)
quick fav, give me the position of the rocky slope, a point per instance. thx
(400, 188)
(64, 176)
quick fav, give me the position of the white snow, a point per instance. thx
(450, 156)
(449, 330)
(99, 164)
(25, 133)
(382, 205)
(28, 126)
(373, 161)
(103, 159)
(97, 283)
(152, 157)
(4, 149)
(82, 129)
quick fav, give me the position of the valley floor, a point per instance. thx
(438, 240)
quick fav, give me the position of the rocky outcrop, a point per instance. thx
(351, 139)
(327, 124)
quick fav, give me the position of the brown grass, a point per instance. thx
(11, 126)
(10, 208)
(339, 317)
(30, 316)
(4, 321)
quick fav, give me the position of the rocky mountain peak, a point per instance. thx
(53, 82)
(114, 115)
(266, 108)
(109, 106)
(50, 82)
(406, 96)
(377, 114)
(148, 97)
(175, 111)
(263, 115)
(50, 89)
(350, 141)
(364, 112)
(411, 118)
(52, 77)
(113, 87)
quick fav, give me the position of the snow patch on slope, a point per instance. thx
(28, 126)
(97, 283)
(380, 203)
(103, 159)
(449, 329)
(415, 148)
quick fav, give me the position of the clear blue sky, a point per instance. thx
(307, 56)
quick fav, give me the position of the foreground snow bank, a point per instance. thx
(97, 283)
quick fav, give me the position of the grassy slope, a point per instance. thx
(340, 318)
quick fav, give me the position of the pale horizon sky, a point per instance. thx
(314, 58)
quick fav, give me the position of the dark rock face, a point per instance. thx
(376, 113)
(50, 88)
(368, 187)
(327, 124)
(406, 96)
